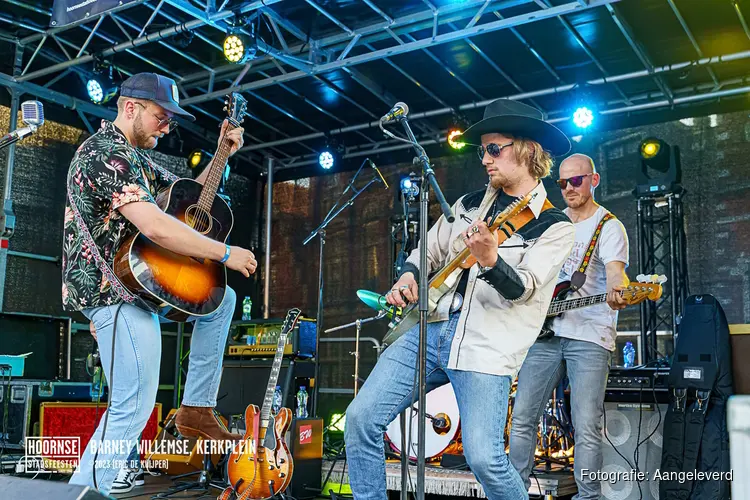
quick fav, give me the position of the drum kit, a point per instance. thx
(443, 432)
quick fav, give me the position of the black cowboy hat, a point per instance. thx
(504, 116)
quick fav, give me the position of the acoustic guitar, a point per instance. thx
(445, 278)
(647, 287)
(176, 285)
(261, 466)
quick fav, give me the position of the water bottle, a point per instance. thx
(302, 402)
(277, 401)
(247, 306)
(628, 354)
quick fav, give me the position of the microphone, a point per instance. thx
(396, 112)
(372, 164)
(32, 114)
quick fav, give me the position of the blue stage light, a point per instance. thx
(583, 117)
(326, 160)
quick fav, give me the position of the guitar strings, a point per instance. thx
(202, 218)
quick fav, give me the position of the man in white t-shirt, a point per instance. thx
(583, 339)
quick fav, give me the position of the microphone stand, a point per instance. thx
(428, 179)
(321, 231)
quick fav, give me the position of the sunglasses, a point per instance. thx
(162, 121)
(575, 181)
(493, 149)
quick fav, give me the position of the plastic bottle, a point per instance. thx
(277, 401)
(628, 355)
(302, 402)
(247, 306)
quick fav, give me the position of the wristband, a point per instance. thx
(226, 254)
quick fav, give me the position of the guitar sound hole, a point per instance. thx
(198, 219)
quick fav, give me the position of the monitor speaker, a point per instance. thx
(625, 426)
(18, 488)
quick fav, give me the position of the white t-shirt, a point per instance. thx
(597, 323)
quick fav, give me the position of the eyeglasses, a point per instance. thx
(493, 149)
(162, 121)
(575, 181)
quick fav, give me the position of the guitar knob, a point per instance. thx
(282, 461)
(281, 474)
(270, 467)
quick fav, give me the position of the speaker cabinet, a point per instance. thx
(305, 440)
(17, 488)
(626, 425)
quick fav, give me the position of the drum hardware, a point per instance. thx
(358, 324)
(556, 443)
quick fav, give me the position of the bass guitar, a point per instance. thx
(176, 285)
(446, 278)
(647, 287)
(261, 466)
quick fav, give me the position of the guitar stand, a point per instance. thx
(204, 481)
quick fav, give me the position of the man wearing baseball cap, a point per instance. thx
(112, 186)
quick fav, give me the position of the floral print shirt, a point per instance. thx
(106, 173)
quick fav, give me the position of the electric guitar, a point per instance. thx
(176, 285)
(445, 279)
(647, 287)
(261, 467)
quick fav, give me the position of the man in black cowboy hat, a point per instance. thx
(480, 331)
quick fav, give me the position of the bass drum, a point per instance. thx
(439, 439)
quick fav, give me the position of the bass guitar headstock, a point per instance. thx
(647, 287)
(236, 107)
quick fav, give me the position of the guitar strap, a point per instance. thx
(594, 240)
(516, 222)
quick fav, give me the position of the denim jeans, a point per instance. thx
(135, 379)
(587, 367)
(482, 402)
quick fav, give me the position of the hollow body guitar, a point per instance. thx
(176, 285)
(444, 280)
(262, 465)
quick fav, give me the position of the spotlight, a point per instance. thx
(326, 160)
(410, 187)
(583, 117)
(238, 47)
(650, 148)
(661, 169)
(101, 88)
(198, 160)
(453, 139)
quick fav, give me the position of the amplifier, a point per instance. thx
(262, 336)
(637, 379)
(305, 440)
(15, 414)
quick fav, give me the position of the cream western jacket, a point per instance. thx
(504, 308)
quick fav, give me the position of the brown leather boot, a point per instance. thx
(194, 421)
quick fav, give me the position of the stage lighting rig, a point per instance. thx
(239, 47)
(100, 86)
(454, 139)
(198, 160)
(661, 169)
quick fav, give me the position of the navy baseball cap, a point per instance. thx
(156, 88)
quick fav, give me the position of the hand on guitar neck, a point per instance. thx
(234, 136)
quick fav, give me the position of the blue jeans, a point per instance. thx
(587, 367)
(135, 380)
(482, 403)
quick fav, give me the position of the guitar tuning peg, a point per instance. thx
(641, 278)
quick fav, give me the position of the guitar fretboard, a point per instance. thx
(567, 305)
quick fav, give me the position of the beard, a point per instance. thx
(578, 201)
(142, 139)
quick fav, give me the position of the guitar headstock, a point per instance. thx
(647, 287)
(292, 316)
(236, 107)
